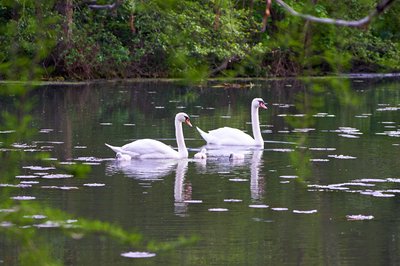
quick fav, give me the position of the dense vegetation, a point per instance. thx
(194, 39)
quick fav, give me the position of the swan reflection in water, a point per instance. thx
(230, 159)
(145, 170)
(182, 189)
(155, 170)
(217, 162)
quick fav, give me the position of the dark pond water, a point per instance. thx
(323, 191)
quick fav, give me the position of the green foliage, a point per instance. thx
(194, 39)
(27, 38)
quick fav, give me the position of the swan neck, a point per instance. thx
(180, 141)
(255, 123)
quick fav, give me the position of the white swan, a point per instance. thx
(201, 154)
(122, 157)
(236, 156)
(234, 137)
(154, 149)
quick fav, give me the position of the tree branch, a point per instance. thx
(380, 7)
(109, 7)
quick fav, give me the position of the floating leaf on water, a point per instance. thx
(91, 163)
(393, 180)
(8, 210)
(289, 176)
(23, 198)
(279, 209)
(217, 210)
(137, 254)
(319, 160)
(67, 188)
(94, 185)
(281, 150)
(302, 130)
(323, 115)
(29, 182)
(321, 149)
(379, 194)
(238, 179)
(233, 200)
(38, 168)
(6, 224)
(56, 176)
(349, 136)
(370, 180)
(7, 185)
(266, 131)
(389, 108)
(60, 187)
(359, 217)
(392, 191)
(50, 159)
(36, 216)
(258, 206)
(46, 130)
(305, 212)
(89, 159)
(26, 176)
(67, 163)
(193, 201)
(48, 224)
(342, 157)
(22, 145)
(392, 133)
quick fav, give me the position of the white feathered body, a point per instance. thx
(234, 137)
(227, 136)
(147, 149)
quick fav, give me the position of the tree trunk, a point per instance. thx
(66, 9)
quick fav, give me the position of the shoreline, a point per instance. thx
(149, 80)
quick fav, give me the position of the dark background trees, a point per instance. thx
(197, 39)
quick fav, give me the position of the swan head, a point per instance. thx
(183, 118)
(201, 154)
(258, 102)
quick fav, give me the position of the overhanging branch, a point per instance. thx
(380, 7)
(109, 7)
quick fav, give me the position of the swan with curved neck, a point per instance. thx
(154, 149)
(234, 137)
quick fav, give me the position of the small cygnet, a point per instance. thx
(122, 157)
(201, 155)
(236, 156)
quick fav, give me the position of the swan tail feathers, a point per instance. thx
(206, 136)
(114, 148)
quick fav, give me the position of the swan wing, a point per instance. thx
(227, 136)
(146, 149)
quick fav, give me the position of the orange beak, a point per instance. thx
(262, 105)
(187, 121)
